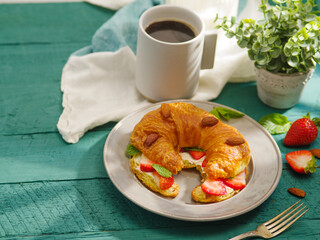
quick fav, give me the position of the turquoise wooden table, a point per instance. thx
(53, 190)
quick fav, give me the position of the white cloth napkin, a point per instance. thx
(98, 86)
(111, 4)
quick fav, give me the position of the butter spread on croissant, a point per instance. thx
(162, 133)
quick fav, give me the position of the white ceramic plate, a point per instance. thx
(264, 172)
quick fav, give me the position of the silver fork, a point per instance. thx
(275, 226)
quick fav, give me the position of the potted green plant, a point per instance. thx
(284, 46)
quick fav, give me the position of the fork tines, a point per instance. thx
(276, 225)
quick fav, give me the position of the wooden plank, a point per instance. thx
(50, 23)
(34, 50)
(35, 44)
(192, 233)
(34, 106)
(95, 206)
(46, 156)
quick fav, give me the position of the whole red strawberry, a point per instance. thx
(302, 132)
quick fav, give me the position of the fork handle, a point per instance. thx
(245, 235)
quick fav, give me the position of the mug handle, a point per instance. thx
(209, 48)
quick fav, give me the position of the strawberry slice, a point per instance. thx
(238, 182)
(146, 165)
(196, 155)
(164, 183)
(204, 163)
(301, 161)
(214, 187)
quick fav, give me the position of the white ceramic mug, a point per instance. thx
(167, 70)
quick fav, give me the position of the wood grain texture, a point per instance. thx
(33, 24)
(94, 206)
(36, 42)
(53, 190)
(30, 111)
(45, 156)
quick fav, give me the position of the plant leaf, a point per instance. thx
(275, 52)
(251, 54)
(194, 149)
(243, 42)
(275, 123)
(132, 150)
(230, 34)
(293, 61)
(162, 170)
(233, 20)
(274, 65)
(262, 58)
(216, 18)
(310, 17)
(226, 113)
(215, 112)
(288, 33)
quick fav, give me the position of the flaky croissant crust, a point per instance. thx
(177, 125)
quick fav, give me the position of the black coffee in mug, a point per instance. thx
(170, 31)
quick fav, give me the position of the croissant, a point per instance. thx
(163, 132)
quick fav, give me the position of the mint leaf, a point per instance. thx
(275, 123)
(162, 170)
(215, 113)
(226, 113)
(132, 150)
(193, 149)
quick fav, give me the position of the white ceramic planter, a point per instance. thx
(279, 90)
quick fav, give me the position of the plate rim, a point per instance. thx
(198, 219)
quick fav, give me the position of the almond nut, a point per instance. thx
(297, 192)
(209, 121)
(235, 141)
(315, 152)
(165, 110)
(151, 138)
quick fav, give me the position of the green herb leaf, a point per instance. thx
(162, 170)
(132, 150)
(275, 123)
(226, 113)
(194, 149)
(215, 113)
